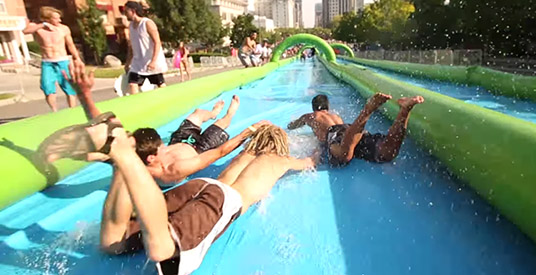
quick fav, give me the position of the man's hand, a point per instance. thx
(151, 66)
(50, 27)
(80, 81)
(260, 123)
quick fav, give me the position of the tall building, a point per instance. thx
(281, 11)
(12, 22)
(263, 8)
(251, 6)
(228, 9)
(356, 5)
(318, 15)
(263, 23)
(298, 14)
(332, 8)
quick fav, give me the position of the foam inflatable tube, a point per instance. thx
(499, 83)
(23, 175)
(493, 152)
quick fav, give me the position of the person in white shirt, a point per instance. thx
(259, 53)
(145, 57)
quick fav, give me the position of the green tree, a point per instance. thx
(346, 27)
(386, 22)
(93, 33)
(242, 28)
(498, 27)
(434, 25)
(210, 30)
(324, 33)
(186, 20)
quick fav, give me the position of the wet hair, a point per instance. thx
(45, 13)
(268, 139)
(320, 102)
(147, 143)
(135, 6)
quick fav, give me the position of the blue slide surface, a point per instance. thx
(410, 216)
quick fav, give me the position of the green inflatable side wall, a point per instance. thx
(493, 152)
(341, 46)
(497, 82)
(22, 175)
(307, 39)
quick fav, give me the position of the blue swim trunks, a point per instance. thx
(51, 72)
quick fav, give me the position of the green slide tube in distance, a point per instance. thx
(307, 39)
(302, 49)
(457, 74)
(499, 83)
(23, 175)
(493, 152)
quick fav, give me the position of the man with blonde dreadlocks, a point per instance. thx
(179, 227)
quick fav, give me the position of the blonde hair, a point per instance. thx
(268, 139)
(46, 12)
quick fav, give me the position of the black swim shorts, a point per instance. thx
(190, 133)
(366, 149)
(155, 79)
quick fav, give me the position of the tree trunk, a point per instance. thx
(96, 57)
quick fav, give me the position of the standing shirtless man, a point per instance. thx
(53, 37)
(247, 50)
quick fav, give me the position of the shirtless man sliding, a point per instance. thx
(53, 37)
(346, 141)
(177, 228)
(189, 150)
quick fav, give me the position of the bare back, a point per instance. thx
(320, 122)
(260, 175)
(52, 42)
(248, 45)
(175, 153)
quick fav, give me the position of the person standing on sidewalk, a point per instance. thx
(185, 54)
(145, 57)
(53, 37)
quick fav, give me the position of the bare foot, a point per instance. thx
(379, 98)
(217, 108)
(409, 102)
(235, 102)
(98, 135)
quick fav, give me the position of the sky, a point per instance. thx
(309, 11)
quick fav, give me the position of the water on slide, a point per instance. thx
(519, 108)
(406, 217)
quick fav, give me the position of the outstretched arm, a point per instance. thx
(32, 27)
(184, 168)
(303, 120)
(305, 163)
(83, 83)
